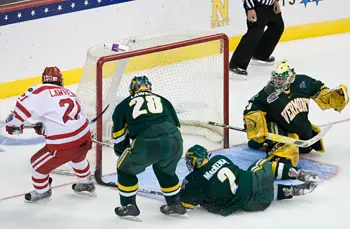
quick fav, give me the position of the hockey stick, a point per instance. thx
(98, 116)
(92, 121)
(283, 139)
(112, 184)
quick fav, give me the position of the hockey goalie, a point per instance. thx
(282, 107)
(65, 128)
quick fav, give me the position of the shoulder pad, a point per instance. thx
(269, 89)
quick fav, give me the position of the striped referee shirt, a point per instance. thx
(250, 4)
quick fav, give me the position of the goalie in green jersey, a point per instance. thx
(282, 107)
(221, 187)
(150, 121)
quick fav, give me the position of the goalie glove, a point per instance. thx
(336, 98)
(255, 124)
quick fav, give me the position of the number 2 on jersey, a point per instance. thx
(154, 105)
(226, 173)
(68, 113)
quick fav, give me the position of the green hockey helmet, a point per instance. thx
(283, 76)
(196, 157)
(140, 83)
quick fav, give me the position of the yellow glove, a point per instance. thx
(336, 98)
(256, 126)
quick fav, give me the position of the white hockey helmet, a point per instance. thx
(282, 76)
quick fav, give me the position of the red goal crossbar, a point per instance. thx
(99, 98)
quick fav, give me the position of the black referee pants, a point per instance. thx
(257, 42)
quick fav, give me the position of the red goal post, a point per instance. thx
(224, 42)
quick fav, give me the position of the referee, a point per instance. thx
(257, 44)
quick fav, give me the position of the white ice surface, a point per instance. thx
(325, 58)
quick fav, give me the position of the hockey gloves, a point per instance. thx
(255, 124)
(39, 128)
(14, 130)
(336, 98)
(11, 128)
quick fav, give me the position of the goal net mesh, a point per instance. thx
(191, 77)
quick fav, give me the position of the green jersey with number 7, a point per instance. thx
(221, 187)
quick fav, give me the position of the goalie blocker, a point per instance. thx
(282, 107)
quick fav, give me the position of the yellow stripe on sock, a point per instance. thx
(171, 189)
(128, 188)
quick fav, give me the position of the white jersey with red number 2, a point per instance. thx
(59, 110)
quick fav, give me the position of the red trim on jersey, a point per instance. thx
(22, 99)
(68, 145)
(78, 112)
(71, 134)
(18, 117)
(43, 88)
(23, 109)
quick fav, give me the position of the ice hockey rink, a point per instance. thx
(324, 58)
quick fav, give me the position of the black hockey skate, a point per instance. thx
(33, 196)
(304, 175)
(259, 61)
(238, 74)
(173, 210)
(129, 212)
(300, 189)
(84, 189)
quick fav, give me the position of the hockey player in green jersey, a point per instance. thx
(282, 107)
(221, 187)
(150, 121)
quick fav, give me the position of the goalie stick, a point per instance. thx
(281, 138)
(99, 180)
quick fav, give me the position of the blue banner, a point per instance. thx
(53, 9)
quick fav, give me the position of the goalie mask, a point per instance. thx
(140, 83)
(52, 75)
(196, 157)
(282, 77)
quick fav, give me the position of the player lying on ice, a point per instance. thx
(65, 128)
(282, 107)
(219, 186)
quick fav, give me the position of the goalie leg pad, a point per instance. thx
(289, 152)
(255, 124)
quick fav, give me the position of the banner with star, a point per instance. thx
(29, 13)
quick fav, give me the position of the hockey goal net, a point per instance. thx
(189, 69)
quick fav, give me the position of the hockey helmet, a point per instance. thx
(52, 75)
(140, 83)
(282, 76)
(196, 157)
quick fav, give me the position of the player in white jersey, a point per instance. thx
(65, 128)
